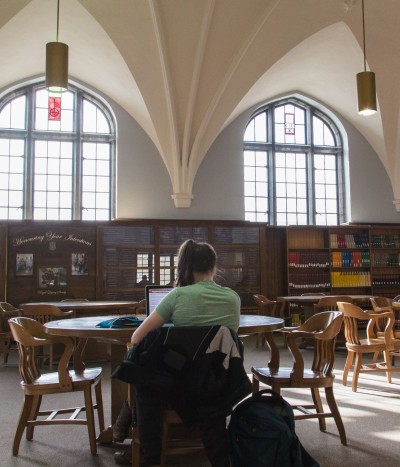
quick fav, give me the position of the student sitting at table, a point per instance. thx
(196, 300)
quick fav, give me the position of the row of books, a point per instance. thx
(350, 279)
(386, 280)
(385, 241)
(386, 259)
(308, 260)
(320, 281)
(358, 240)
(351, 259)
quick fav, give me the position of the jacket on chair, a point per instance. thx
(199, 369)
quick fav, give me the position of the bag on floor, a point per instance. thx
(261, 433)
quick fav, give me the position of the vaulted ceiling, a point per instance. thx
(184, 69)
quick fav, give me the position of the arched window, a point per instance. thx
(293, 166)
(57, 155)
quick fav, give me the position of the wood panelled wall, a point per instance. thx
(52, 261)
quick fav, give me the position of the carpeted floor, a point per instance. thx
(370, 417)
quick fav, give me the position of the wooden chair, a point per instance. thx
(357, 347)
(43, 313)
(138, 308)
(268, 307)
(177, 439)
(30, 336)
(330, 304)
(380, 304)
(323, 329)
(7, 311)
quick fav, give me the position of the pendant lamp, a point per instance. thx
(366, 89)
(57, 62)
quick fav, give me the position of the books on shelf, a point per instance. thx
(350, 259)
(342, 240)
(351, 279)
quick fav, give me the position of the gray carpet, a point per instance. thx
(370, 417)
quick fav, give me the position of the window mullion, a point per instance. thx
(29, 155)
(77, 164)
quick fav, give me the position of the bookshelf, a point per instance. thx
(347, 259)
(308, 260)
(350, 260)
(385, 260)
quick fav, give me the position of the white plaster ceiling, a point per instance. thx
(184, 69)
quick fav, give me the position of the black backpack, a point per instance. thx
(261, 434)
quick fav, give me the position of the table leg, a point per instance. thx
(77, 358)
(119, 393)
(273, 363)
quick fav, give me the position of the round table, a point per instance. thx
(85, 328)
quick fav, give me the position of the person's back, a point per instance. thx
(204, 303)
(196, 300)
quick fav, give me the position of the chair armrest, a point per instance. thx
(388, 332)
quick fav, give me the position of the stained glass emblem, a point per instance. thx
(54, 108)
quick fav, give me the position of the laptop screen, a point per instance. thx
(154, 295)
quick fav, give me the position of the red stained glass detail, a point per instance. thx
(289, 124)
(55, 108)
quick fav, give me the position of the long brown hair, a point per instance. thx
(194, 257)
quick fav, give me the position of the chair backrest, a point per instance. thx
(30, 336)
(5, 314)
(310, 294)
(322, 328)
(330, 303)
(380, 303)
(44, 312)
(353, 314)
(267, 307)
(7, 307)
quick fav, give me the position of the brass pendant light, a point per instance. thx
(57, 62)
(366, 89)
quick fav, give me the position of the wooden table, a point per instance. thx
(311, 299)
(306, 302)
(88, 308)
(85, 328)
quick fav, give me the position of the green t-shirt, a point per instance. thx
(202, 304)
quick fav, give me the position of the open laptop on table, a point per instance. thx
(154, 295)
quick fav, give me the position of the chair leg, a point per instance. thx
(100, 407)
(164, 442)
(23, 418)
(388, 362)
(319, 408)
(330, 398)
(356, 372)
(375, 357)
(256, 385)
(90, 419)
(347, 366)
(35, 407)
(276, 388)
(135, 451)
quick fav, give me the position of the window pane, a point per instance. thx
(323, 135)
(13, 114)
(94, 120)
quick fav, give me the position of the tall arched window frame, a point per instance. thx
(56, 169)
(293, 166)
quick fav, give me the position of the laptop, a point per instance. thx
(154, 295)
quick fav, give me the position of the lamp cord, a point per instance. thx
(58, 18)
(363, 26)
